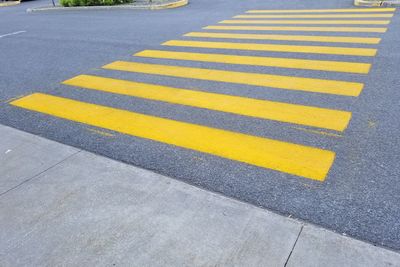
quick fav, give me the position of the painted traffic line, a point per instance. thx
(322, 22)
(294, 63)
(266, 80)
(11, 33)
(343, 10)
(284, 37)
(278, 111)
(302, 29)
(300, 160)
(330, 50)
(313, 16)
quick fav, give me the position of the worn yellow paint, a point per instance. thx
(303, 29)
(330, 50)
(314, 16)
(282, 37)
(305, 161)
(321, 22)
(264, 109)
(342, 10)
(318, 132)
(371, 124)
(258, 79)
(103, 133)
(324, 65)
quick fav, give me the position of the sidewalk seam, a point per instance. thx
(294, 245)
(40, 173)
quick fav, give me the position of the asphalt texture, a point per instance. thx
(361, 195)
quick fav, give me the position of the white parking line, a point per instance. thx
(12, 33)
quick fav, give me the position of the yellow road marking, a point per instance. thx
(309, 162)
(332, 50)
(264, 109)
(314, 16)
(324, 65)
(304, 29)
(349, 22)
(344, 10)
(307, 38)
(257, 79)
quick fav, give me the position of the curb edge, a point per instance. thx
(376, 3)
(175, 4)
(11, 3)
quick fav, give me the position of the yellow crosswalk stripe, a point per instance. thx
(282, 37)
(344, 10)
(313, 16)
(326, 22)
(257, 79)
(324, 65)
(263, 109)
(303, 29)
(330, 50)
(305, 161)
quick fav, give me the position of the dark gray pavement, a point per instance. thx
(360, 196)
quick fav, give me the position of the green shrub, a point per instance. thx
(64, 2)
(76, 3)
(68, 3)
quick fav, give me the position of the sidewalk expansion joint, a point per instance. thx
(40, 173)
(294, 245)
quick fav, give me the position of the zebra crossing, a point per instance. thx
(278, 155)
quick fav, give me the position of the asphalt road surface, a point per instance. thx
(296, 112)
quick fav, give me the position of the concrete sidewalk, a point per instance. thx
(63, 206)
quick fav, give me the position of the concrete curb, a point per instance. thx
(171, 5)
(175, 4)
(377, 3)
(10, 3)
